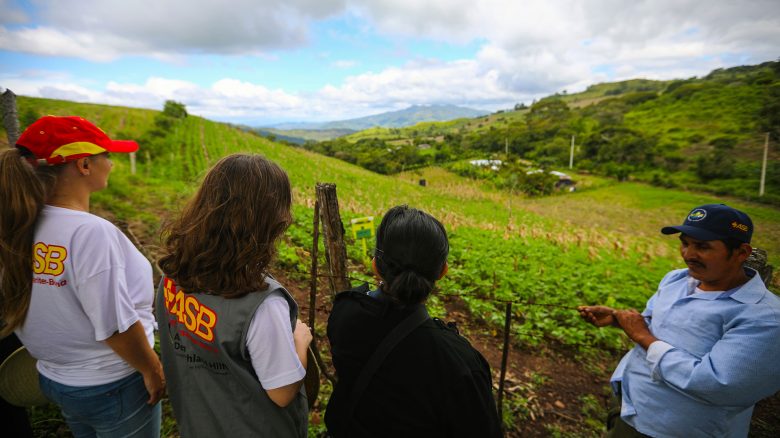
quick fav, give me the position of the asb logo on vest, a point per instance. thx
(196, 317)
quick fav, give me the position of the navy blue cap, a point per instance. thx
(715, 222)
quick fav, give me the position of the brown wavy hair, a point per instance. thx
(23, 191)
(226, 235)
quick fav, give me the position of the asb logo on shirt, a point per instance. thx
(198, 318)
(49, 260)
(697, 215)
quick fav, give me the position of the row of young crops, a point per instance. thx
(544, 278)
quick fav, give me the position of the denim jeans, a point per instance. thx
(114, 410)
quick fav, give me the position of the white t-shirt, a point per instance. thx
(89, 282)
(271, 346)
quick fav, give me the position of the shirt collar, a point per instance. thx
(749, 293)
(752, 291)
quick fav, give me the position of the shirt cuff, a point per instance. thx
(655, 352)
(285, 379)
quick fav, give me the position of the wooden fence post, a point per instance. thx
(132, 163)
(504, 357)
(314, 260)
(313, 295)
(333, 232)
(10, 119)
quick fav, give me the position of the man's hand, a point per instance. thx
(600, 316)
(633, 323)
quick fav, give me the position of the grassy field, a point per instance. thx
(598, 245)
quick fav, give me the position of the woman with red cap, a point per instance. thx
(73, 288)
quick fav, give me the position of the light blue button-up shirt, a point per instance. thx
(717, 355)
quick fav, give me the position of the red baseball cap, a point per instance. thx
(55, 140)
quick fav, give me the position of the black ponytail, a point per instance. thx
(411, 251)
(409, 287)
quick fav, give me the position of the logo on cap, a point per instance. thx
(739, 226)
(697, 215)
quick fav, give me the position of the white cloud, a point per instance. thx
(105, 29)
(527, 49)
(420, 82)
(102, 29)
(556, 39)
(49, 41)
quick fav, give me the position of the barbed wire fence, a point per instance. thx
(339, 280)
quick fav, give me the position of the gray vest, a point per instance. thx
(211, 383)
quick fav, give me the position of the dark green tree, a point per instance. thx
(719, 162)
(175, 109)
(547, 118)
(769, 114)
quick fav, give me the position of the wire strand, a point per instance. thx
(467, 294)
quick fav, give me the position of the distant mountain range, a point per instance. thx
(394, 119)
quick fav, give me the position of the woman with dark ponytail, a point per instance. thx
(401, 373)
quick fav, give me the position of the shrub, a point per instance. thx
(618, 171)
(537, 184)
(715, 165)
(639, 97)
(175, 109)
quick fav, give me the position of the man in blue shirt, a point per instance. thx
(708, 342)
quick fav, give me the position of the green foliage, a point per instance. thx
(594, 412)
(545, 276)
(619, 145)
(27, 117)
(174, 109)
(769, 114)
(166, 123)
(718, 163)
(547, 118)
(623, 87)
(686, 91)
(375, 154)
(537, 183)
(674, 85)
(639, 97)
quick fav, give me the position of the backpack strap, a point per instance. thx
(415, 319)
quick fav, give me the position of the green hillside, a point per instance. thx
(300, 136)
(598, 245)
(704, 134)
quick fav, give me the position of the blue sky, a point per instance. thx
(268, 61)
